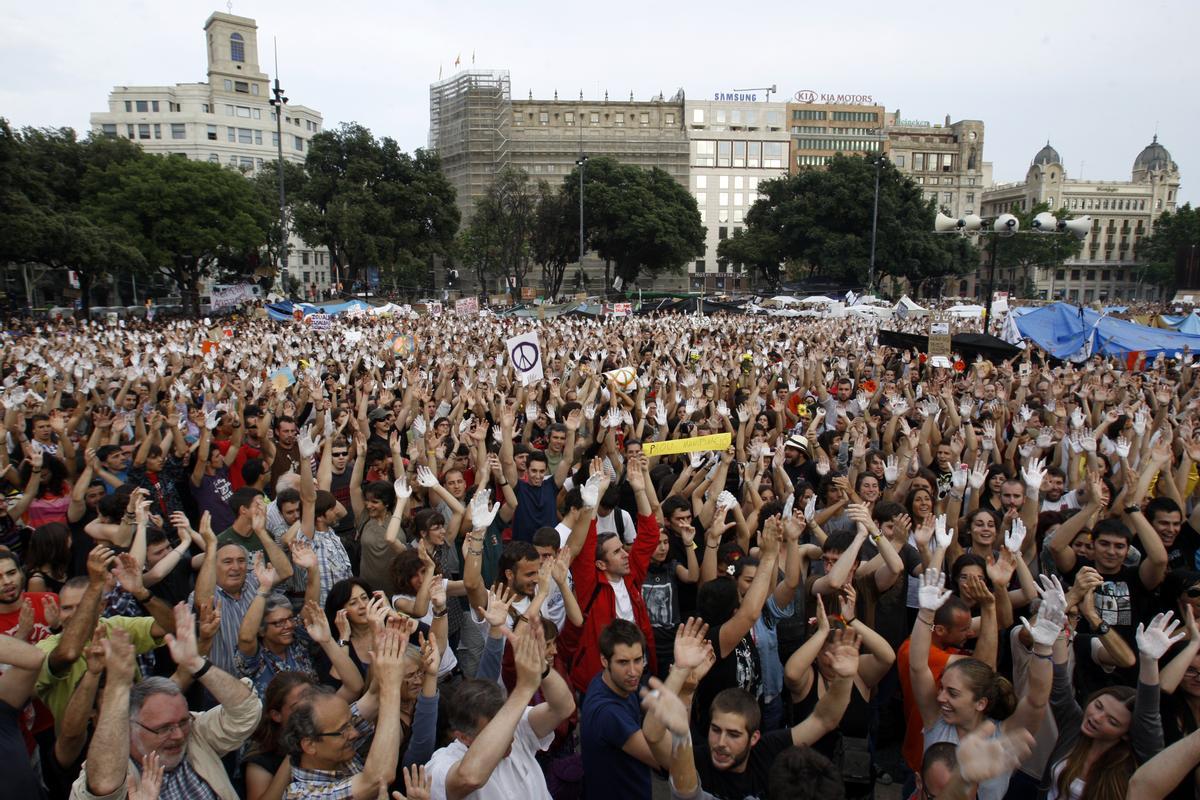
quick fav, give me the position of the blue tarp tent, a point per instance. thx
(282, 312)
(1188, 324)
(1066, 331)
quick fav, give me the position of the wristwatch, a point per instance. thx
(1103, 628)
(1132, 509)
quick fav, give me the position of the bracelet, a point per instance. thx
(200, 673)
(850, 621)
(440, 614)
(143, 600)
(1047, 656)
(478, 552)
(505, 483)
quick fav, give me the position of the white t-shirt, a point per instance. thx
(609, 525)
(624, 603)
(517, 775)
(1068, 502)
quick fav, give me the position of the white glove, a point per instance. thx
(697, 459)
(931, 595)
(810, 507)
(481, 513)
(1140, 420)
(1077, 418)
(531, 411)
(590, 491)
(898, 407)
(891, 469)
(660, 415)
(1034, 474)
(1123, 445)
(627, 418)
(307, 444)
(726, 499)
(402, 488)
(1025, 413)
(1157, 639)
(941, 534)
(1015, 537)
(958, 478)
(425, 477)
(722, 408)
(1045, 439)
(978, 476)
(419, 426)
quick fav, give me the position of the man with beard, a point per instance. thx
(1055, 497)
(287, 452)
(149, 723)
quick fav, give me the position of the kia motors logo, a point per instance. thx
(806, 96)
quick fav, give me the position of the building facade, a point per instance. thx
(1122, 213)
(226, 120)
(820, 130)
(477, 129)
(733, 146)
(945, 160)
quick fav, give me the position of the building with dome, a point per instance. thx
(1122, 213)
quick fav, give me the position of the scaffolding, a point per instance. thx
(470, 114)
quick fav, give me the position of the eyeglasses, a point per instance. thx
(166, 730)
(282, 623)
(1192, 673)
(343, 731)
(342, 454)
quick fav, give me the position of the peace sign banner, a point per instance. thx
(525, 354)
(716, 441)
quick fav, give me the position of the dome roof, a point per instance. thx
(1047, 155)
(1153, 157)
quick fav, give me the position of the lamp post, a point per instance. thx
(581, 162)
(1008, 225)
(874, 224)
(278, 101)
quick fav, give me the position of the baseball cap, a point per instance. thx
(378, 414)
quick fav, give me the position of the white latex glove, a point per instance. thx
(590, 491)
(931, 595)
(425, 477)
(481, 513)
(402, 488)
(726, 499)
(891, 470)
(1123, 446)
(958, 478)
(1034, 474)
(941, 534)
(1015, 537)
(1157, 639)
(307, 444)
(210, 420)
(810, 507)
(419, 426)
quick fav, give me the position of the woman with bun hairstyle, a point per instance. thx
(971, 692)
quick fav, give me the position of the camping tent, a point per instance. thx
(1066, 331)
(907, 307)
(965, 311)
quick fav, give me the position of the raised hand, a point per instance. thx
(1015, 536)
(1154, 641)
(265, 572)
(1034, 473)
(401, 487)
(148, 786)
(128, 573)
(498, 606)
(418, 784)
(891, 469)
(931, 596)
(426, 478)
(941, 534)
(691, 643)
(182, 644)
(307, 444)
(590, 491)
(302, 552)
(843, 653)
(482, 513)
(665, 706)
(315, 622)
(982, 755)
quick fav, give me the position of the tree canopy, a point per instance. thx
(1174, 233)
(819, 222)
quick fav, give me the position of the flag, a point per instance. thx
(472, 56)
(458, 59)
(439, 72)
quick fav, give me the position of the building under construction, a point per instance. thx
(470, 116)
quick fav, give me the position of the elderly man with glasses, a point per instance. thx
(147, 726)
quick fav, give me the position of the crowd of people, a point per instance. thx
(257, 560)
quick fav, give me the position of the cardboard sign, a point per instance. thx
(621, 309)
(320, 322)
(938, 347)
(282, 378)
(527, 293)
(716, 441)
(434, 309)
(624, 377)
(525, 353)
(466, 306)
(404, 344)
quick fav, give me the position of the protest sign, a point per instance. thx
(526, 355)
(716, 441)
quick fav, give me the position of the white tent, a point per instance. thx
(818, 299)
(965, 311)
(784, 300)
(873, 311)
(907, 307)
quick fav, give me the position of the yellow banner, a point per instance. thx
(717, 441)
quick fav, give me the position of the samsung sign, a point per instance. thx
(810, 96)
(736, 97)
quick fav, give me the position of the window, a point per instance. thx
(544, 117)
(142, 106)
(701, 199)
(739, 182)
(804, 113)
(231, 134)
(258, 137)
(723, 182)
(947, 197)
(722, 198)
(697, 116)
(970, 198)
(228, 84)
(109, 129)
(619, 119)
(144, 131)
(754, 154)
(723, 215)
(1105, 275)
(306, 274)
(703, 216)
(258, 162)
(241, 87)
(644, 119)
(699, 267)
(737, 215)
(970, 181)
(178, 130)
(1091, 274)
(739, 154)
(205, 108)
(254, 88)
(722, 232)
(212, 133)
(246, 164)
(772, 155)
(899, 160)
(918, 161)
(774, 119)
(739, 199)
(154, 106)
(243, 112)
(298, 143)
(304, 259)
(669, 119)
(157, 131)
(245, 136)
(237, 47)
(856, 116)
(701, 181)
(229, 111)
(129, 131)
(213, 158)
(569, 118)
(724, 151)
(128, 106)
(705, 154)
(274, 139)
(1059, 274)
(256, 113)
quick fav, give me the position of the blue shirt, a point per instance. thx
(766, 638)
(606, 723)
(535, 508)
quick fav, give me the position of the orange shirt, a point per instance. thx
(914, 732)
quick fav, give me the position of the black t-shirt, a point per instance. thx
(740, 669)
(1122, 600)
(19, 778)
(660, 590)
(1182, 554)
(749, 784)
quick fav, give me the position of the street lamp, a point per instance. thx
(581, 162)
(278, 101)
(1007, 225)
(879, 162)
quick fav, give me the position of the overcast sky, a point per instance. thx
(1096, 78)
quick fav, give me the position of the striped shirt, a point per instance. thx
(332, 561)
(233, 611)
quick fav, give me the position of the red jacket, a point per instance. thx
(598, 602)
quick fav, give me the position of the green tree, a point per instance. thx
(555, 241)
(266, 186)
(1019, 256)
(1173, 236)
(638, 220)
(754, 248)
(46, 226)
(188, 219)
(501, 229)
(370, 203)
(820, 220)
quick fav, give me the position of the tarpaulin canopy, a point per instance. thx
(967, 345)
(1183, 324)
(1066, 331)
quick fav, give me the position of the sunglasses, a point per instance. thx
(1193, 591)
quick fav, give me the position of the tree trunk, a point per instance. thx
(85, 293)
